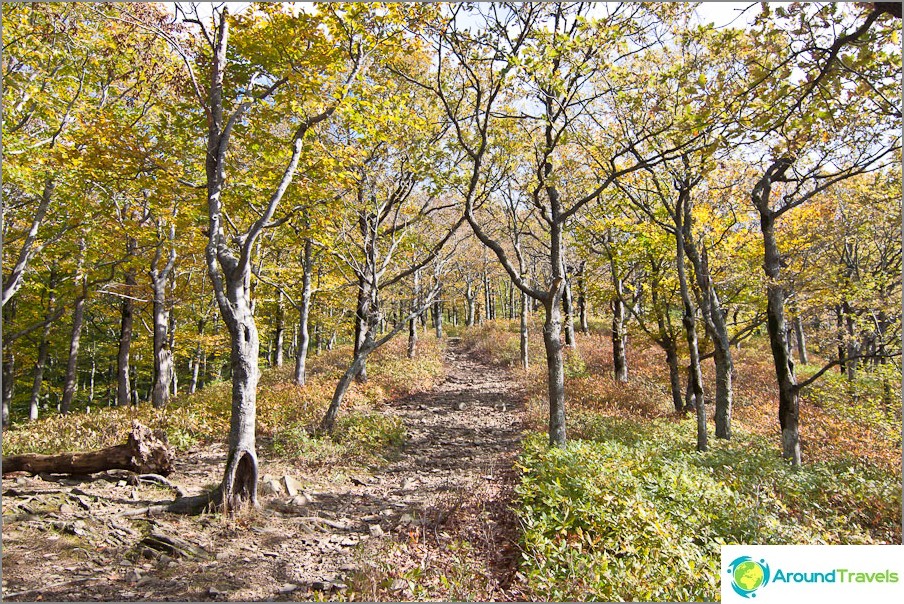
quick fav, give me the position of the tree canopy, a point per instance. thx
(192, 193)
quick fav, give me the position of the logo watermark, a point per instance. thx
(748, 575)
(779, 573)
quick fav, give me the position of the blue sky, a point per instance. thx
(719, 13)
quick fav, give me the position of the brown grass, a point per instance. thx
(828, 432)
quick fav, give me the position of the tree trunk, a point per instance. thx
(801, 340)
(280, 335)
(839, 325)
(230, 273)
(123, 385)
(619, 347)
(850, 365)
(329, 420)
(171, 333)
(412, 322)
(438, 320)
(111, 389)
(552, 341)
(412, 337)
(195, 368)
(40, 362)
(724, 389)
(511, 300)
(240, 479)
(16, 276)
(163, 352)
(304, 311)
(9, 363)
(568, 310)
(582, 300)
(91, 382)
(523, 331)
(671, 357)
(789, 402)
(695, 380)
(552, 327)
(487, 311)
(690, 403)
(689, 322)
(43, 347)
(200, 358)
(714, 321)
(469, 299)
(134, 398)
(667, 342)
(144, 452)
(163, 355)
(78, 321)
(9, 377)
(369, 319)
(360, 327)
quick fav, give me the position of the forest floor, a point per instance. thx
(434, 522)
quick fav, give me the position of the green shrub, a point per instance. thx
(625, 512)
(871, 398)
(357, 437)
(594, 527)
(370, 432)
(574, 365)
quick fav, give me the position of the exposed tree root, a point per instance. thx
(158, 479)
(191, 506)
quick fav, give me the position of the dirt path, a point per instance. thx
(432, 524)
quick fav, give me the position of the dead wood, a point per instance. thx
(145, 452)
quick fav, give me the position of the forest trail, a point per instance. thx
(440, 508)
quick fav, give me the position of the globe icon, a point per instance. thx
(749, 575)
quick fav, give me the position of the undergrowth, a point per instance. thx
(628, 510)
(622, 513)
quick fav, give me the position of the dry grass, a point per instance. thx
(203, 417)
(829, 432)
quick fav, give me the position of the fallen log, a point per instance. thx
(145, 452)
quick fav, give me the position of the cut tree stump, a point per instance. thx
(145, 452)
